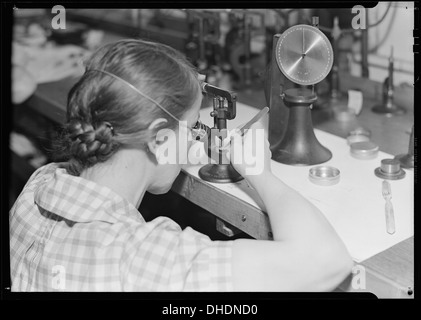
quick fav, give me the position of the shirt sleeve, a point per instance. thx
(162, 257)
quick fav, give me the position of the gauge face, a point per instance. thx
(304, 54)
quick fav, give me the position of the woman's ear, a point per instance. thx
(154, 144)
(163, 146)
(201, 77)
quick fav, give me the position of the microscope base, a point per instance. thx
(388, 110)
(406, 160)
(329, 101)
(219, 173)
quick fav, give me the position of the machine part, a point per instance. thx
(360, 130)
(202, 46)
(388, 107)
(246, 73)
(357, 138)
(219, 173)
(407, 160)
(365, 71)
(300, 145)
(364, 150)
(324, 175)
(390, 169)
(224, 108)
(230, 97)
(304, 54)
(226, 229)
(358, 135)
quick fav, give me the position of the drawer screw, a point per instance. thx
(410, 291)
(243, 218)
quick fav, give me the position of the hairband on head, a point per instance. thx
(137, 90)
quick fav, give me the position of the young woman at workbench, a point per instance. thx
(76, 227)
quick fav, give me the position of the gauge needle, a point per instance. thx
(303, 52)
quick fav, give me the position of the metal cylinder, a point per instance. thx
(364, 49)
(390, 166)
(364, 150)
(390, 169)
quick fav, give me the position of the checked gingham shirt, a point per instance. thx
(71, 234)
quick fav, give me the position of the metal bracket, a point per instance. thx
(226, 228)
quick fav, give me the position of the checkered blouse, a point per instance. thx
(71, 234)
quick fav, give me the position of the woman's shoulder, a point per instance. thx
(42, 174)
(46, 169)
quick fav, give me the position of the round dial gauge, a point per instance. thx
(304, 54)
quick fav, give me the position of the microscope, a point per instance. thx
(388, 107)
(224, 108)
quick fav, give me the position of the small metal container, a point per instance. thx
(390, 169)
(360, 130)
(357, 138)
(364, 150)
(358, 135)
(324, 175)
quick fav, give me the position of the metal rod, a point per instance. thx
(384, 67)
(247, 37)
(391, 68)
(201, 39)
(364, 50)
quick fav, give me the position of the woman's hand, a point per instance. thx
(250, 154)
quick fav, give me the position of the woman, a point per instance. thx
(75, 225)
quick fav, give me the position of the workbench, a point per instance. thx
(389, 274)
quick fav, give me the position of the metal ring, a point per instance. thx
(324, 175)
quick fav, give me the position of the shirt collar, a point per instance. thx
(80, 200)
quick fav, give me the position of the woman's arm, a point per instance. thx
(306, 254)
